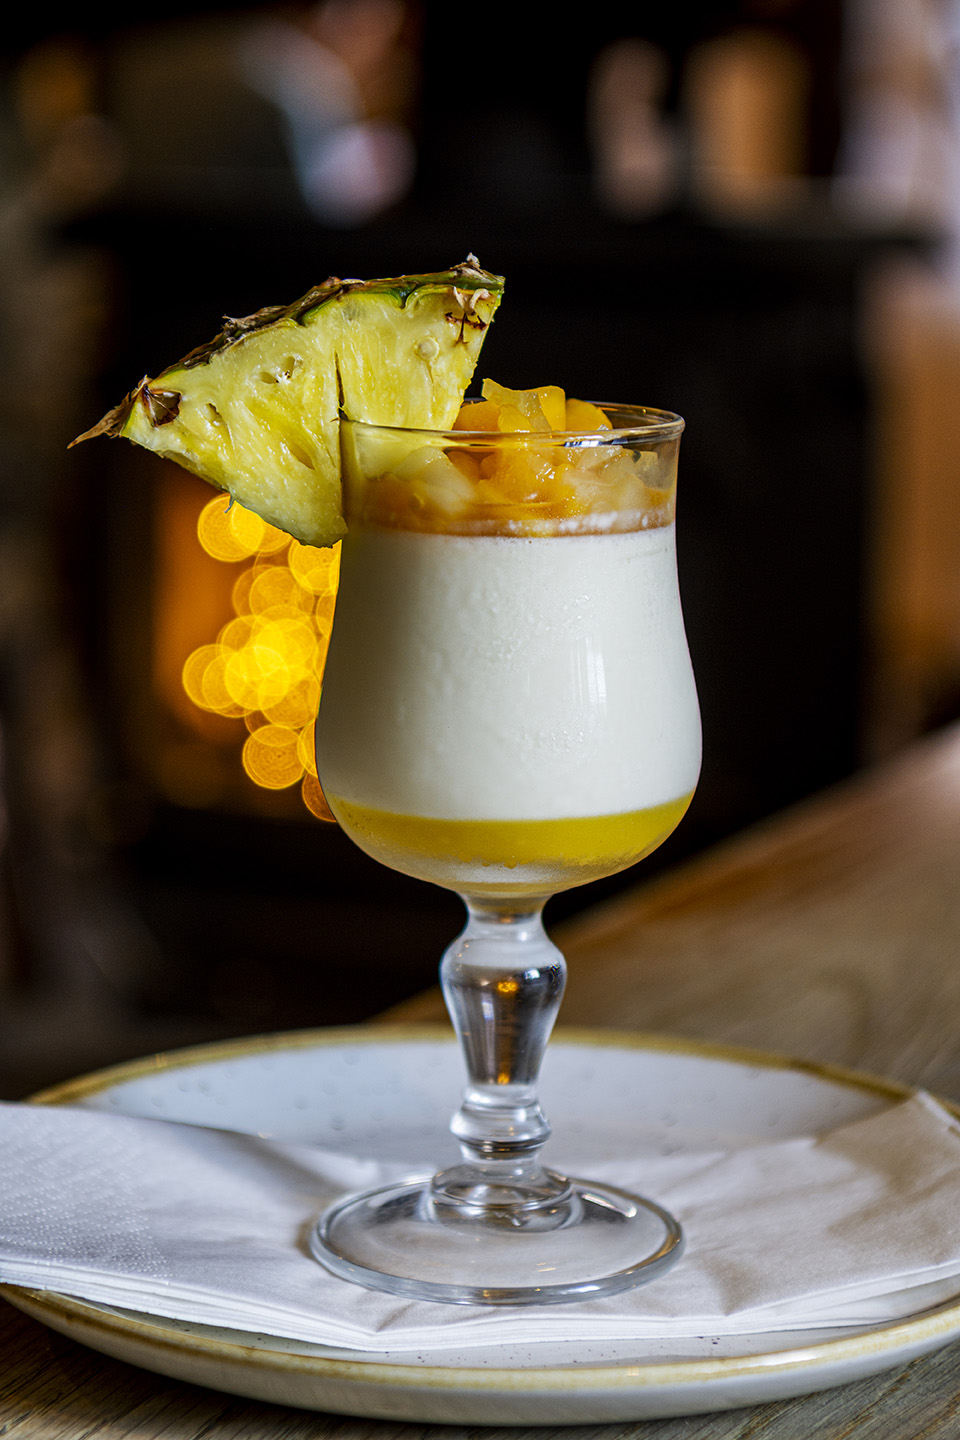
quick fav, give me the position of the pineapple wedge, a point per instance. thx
(256, 410)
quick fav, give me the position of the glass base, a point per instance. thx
(404, 1239)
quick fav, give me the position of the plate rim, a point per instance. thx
(922, 1330)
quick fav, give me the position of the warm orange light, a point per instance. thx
(270, 757)
(316, 570)
(267, 662)
(277, 585)
(315, 800)
(228, 532)
(307, 751)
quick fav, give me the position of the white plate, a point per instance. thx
(395, 1090)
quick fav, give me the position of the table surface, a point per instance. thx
(831, 932)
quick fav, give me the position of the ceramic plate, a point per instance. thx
(395, 1090)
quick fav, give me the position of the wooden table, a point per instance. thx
(832, 932)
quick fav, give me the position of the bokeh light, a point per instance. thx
(266, 665)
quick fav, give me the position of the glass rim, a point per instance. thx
(650, 424)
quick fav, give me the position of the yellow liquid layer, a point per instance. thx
(509, 857)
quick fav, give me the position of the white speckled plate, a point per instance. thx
(396, 1090)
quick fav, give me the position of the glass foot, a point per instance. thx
(406, 1239)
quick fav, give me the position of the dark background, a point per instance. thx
(132, 921)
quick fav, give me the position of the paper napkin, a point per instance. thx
(859, 1225)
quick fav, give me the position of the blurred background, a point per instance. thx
(747, 211)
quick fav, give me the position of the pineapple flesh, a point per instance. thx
(256, 410)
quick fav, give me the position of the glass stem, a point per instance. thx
(503, 981)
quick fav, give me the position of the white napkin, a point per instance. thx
(856, 1226)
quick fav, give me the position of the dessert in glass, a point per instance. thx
(508, 710)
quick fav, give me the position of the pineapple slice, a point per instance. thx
(256, 410)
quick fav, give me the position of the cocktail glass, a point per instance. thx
(508, 711)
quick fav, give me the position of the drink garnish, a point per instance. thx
(256, 410)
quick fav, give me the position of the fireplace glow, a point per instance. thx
(265, 665)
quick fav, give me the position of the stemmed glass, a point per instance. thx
(508, 711)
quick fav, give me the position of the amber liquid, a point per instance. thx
(509, 857)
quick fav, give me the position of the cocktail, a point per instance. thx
(508, 707)
(508, 711)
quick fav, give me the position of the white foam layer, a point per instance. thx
(501, 678)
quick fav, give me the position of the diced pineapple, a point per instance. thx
(527, 481)
(478, 415)
(527, 410)
(580, 415)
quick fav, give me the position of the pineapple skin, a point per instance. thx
(255, 411)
